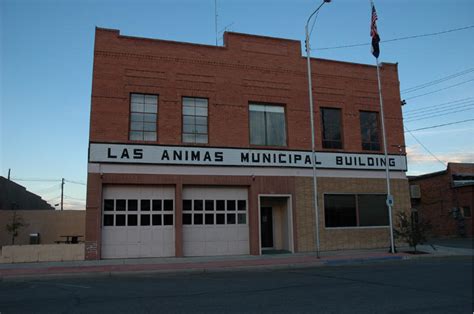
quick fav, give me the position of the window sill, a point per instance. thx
(357, 228)
(269, 147)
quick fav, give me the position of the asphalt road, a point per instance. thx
(427, 285)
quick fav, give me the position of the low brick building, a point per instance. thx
(446, 199)
(14, 196)
(203, 150)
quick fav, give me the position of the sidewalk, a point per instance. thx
(208, 264)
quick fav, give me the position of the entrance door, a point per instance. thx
(266, 227)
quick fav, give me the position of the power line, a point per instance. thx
(52, 199)
(443, 79)
(437, 115)
(52, 188)
(75, 182)
(445, 104)
(438, 109)
(426, 148)
(441, 89)
(74, 198)
(435, 111)
(440, 125)
(398, 39)
(36, 180)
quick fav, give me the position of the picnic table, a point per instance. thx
(70, 239)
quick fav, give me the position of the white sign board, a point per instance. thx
(203, 156)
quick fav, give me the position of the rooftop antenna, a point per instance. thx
(222, 31)
(215, 20)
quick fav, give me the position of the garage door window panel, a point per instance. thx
(156, 205)
(120, 205)
(168, 205)
(108, 220)
(145, 205)
(108, 205)
(156, 220)
(120, 220)
(220, 219)
(217, 212)
(132, 220)
(209, 219)
(144, 220)
(132, 205)
(209, 205)
(168, 220)
(198, 219)
(220, 205)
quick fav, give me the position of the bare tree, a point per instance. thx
(16, 223)
(411, 230)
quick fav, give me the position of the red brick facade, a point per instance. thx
(442, 200)
(246, 69)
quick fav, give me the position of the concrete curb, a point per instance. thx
(192, 267)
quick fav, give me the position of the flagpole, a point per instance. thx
(389, 200)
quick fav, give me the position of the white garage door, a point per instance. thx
(215, 221)
(138, 221)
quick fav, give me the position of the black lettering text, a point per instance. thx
(109, 153)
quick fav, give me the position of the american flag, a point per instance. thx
(374, 33)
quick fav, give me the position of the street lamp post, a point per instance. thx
(310, 91)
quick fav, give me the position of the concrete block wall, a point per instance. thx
(50, 224)
(42, 253)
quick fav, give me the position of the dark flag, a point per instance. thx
(374, 33)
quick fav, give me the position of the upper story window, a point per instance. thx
(369, 130)
(267, 125)
(332, 133)
(143, 114)
(195, 120)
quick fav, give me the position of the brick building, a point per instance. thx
(446, 199)
(14, 196)
(204, 150)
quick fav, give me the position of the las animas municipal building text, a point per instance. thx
(176, 155)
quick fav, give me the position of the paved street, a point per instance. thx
(426, 285)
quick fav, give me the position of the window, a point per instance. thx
(195, 120)
(372, 210)
(369, 130)
(267, 125)
(143, 112)
(340, 210)
(355, 210)
(331, 120)
(466, 211)
(134, 212)
(214, 212)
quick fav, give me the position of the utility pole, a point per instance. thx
(313, 154)
(62, 192)
(9, 173)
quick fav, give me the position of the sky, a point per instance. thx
(46, 55)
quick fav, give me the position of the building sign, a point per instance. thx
(201, 156)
